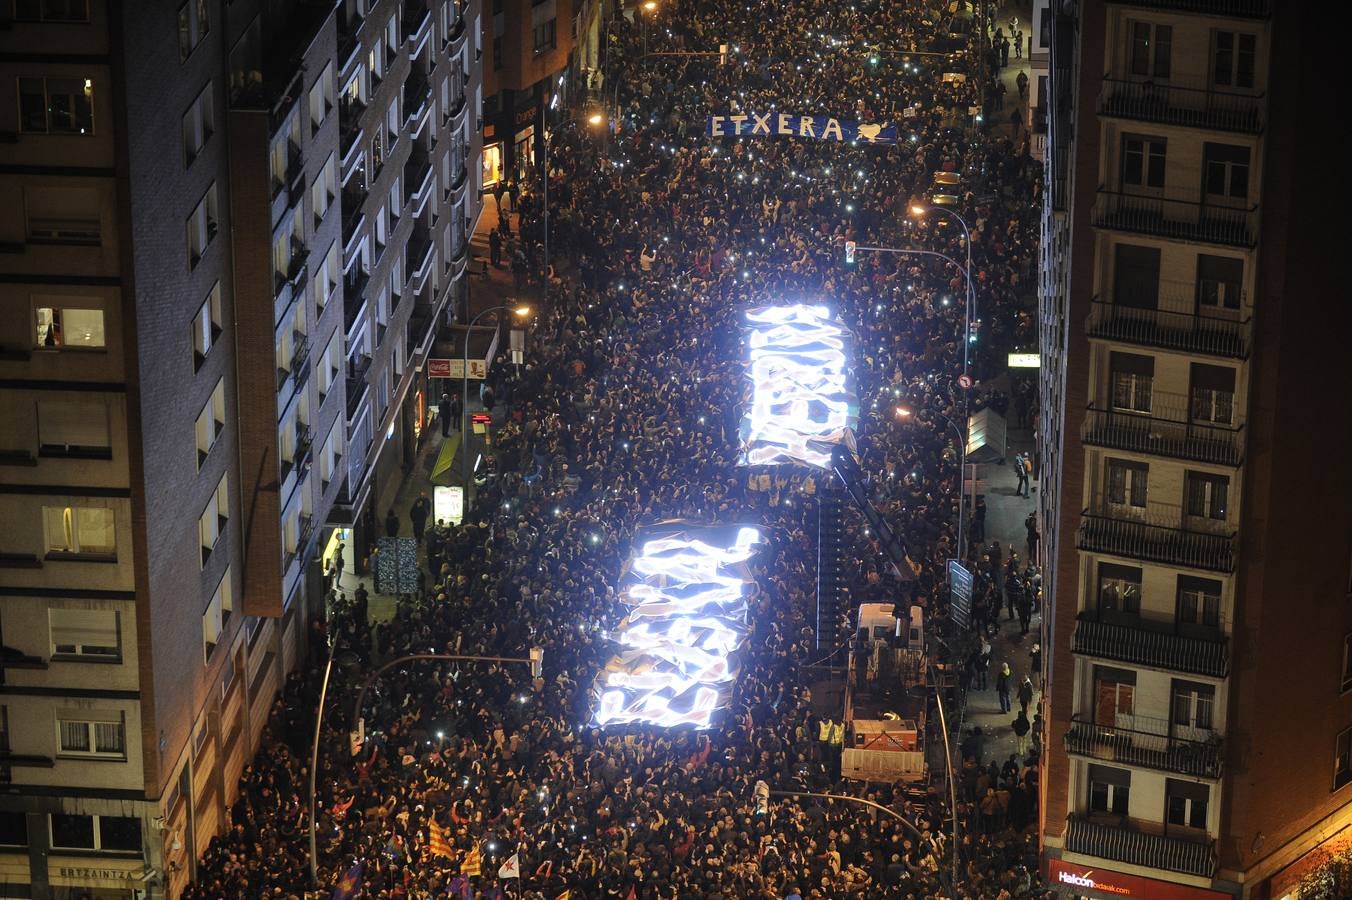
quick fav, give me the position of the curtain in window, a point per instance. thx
(75, 736)
(108, 737)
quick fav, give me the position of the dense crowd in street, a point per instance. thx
(626, 413)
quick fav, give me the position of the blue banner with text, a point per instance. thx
(822, 128)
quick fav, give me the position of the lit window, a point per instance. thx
(321, 98)
(206, 326)
(67, 327)
(80, 531)
(210, 422)
(214, 519)
(203, 225)
(198, 125)
(217, 615)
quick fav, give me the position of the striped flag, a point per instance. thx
(473, 862)
(436, 841)
(566, 895)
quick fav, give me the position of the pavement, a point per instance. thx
(499, 288)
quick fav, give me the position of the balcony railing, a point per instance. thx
(1173, 104)
(1158, 533)
(354, 299)
(1124, 842)
(1142, 645)
(419, 252)
(1164, 431)
(417, 177)
(1149, 743)
(1240, 9)
(417, 93)
(353, 196)
(417, 16)
(350, 110)
(357, 385)
(1175, 218)
(1169, 329)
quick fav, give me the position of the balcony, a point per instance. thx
(1173, 104)
(354, 298)
(417, 177)
(1175, 218)
(1129, 638)
(417, 19)
(1169, 329)
(1164, 431)
(417, 94)
(1238, 9)
(357, 386)
(350, 110)
(1158, 533)
(419, 253)
(1124, 842)
(353, 197)
(1148, 743)
(299, 368)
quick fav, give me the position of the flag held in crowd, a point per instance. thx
(473, 862)
(350, 884)
(436, 841)
(822, 128)
(511, 868)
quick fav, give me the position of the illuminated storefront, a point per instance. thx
(492, 161)
(1069, 880)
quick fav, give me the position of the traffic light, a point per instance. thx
(849, 252)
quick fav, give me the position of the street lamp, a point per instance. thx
(919, 211)
(595, 119)
(649, 7)
(520, 312)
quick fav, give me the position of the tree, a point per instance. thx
(1330, 880)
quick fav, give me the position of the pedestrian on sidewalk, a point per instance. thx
(979, 520)
(338, 564)
(1034, 536)
(1024, 607)
(1002, 687)
(1022, 82)
(444, 414)
(984, 665)
(495, 239)
(1035, 665)
(391, 524)
(1021, 728)
(1025, 695)
(360, 608)
(417, 515)
(1018, 50)
(1020, 472)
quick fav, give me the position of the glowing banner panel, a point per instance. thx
(686, 593)
(803, 403)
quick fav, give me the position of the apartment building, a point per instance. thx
(236, 229)
(530, 45)
(1197, 740)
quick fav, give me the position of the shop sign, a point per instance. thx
(1086, 881)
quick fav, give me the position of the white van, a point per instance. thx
(876, 623)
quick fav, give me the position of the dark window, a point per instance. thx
(1136, 276)
(1127, 482)
(1342, 758)
(1199, 602)
(1233, 59)
(1193, 706)
(51, 10)
(13, 829)
(1212, 394)
(119, 833)
(1109, 790)
(1206, 495)
(1185, 803)
(73, 831)
(1131, 380)
(497, 53)
(1227, 171)
(1347, 662)
(545, 38)
(1219, 282)
(1119, 588)
(1150, 48)
(1143, 161)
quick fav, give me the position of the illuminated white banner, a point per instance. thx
(803, 403)
(686, 592)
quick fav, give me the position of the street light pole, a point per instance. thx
(464, 379)
(314, 766)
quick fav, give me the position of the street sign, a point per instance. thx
(965, 381)
(438, 368)
(448, 504)
(960, 593)
(455, 368)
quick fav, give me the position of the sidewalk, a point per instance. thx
(497, 290)
(1002, 126)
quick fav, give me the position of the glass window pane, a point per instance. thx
(13, 829)
(32, 105)
(108, 737)
(73, 831)
(82, 327)
(60, 529)
(75, 737)
(96, 533)
(119, 833)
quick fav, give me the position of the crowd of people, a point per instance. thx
(626, 413)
